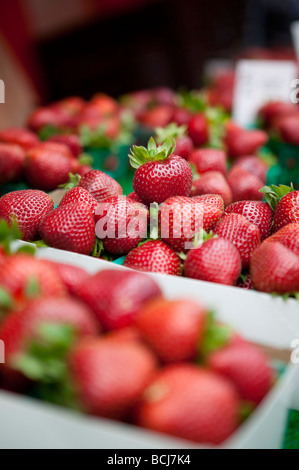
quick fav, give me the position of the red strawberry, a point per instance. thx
(181, 116)
(205, 411)
(83, 170)
(78, 194)
(110, 375)
(212, 182)
(100, 185)
(217, 260)
(156, 257)
(121, 224)
(241, 233)
(275, 109)
(254, 165)
(72, 141)
(288, 236)
(71, 276)
(115, 296)
(184, 144)
(213, 199)
(28, 207)
(11, 163)
(244, 185)
(198, 130)
(247, 367)
(182, 219)
(48, 165)
(134, 197)
(209, 160)
(159, 174)
(70, 227)
(173, 329)
(22, 137)
(49, 116)
(159, 116)
(285, 202)
(287, 127)
(275, 268)
(240, 142)
(256, 212)
(105, 104)
(71, 105)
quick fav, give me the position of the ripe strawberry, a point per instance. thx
(256, 212)
(159, 116)
(288, 236)
(205, 411)
(28, 207)
(181, 116)
(121, 224)
(71, 105)
(71, 276)
(209, 160)
(83, 170)
(48, 165)
(156, 257)
(11, 163)
(110, 375)
(159, 173)
(275, 268)
(18, 136)
(134, 198)
(285, 203)
(100, 185)
(241, 142)
(105, 104)
(49, 116)
(72, 141)
(181, 219)
(244, 185)
(70, 227)
(274, 109)
(212, 182)
(217, 260)
(254, 165)
(184, 144)
(81, 195)
(241, 233)
(287, 127)
(173, 329)
(247, 367)
(116, 296)
(213, 199)
(198, 130)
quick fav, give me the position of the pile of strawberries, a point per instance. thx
(112, 346)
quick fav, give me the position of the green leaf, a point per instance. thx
(243, 277)
(140, 155)
(216, 336)
(40, 244)
(274, 193)
(26, 249)
(73, 182)
(49, 131)
(172, 131)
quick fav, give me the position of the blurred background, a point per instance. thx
(50, 49)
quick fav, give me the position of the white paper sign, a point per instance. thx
(295, 34)
(260, 81)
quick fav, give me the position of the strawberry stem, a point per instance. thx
(273, 194)
(72, 183)
(172, 131)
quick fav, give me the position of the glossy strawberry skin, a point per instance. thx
(116, 296)
(270, 111)
(159, 116)
(217, 260)
(18, 136)
(46, 116)
(79, 195)
(72, 141)
(28, 207)
(247, 367)
(134, 197)
(288, 236)
(184, 147)
(181, 116)
(254, 165)
(206, 411)
(71, 276)
(256, 212)
(173, 329)
(100, 185)
(287, 126)
(11, 162)
(287, 211)
(209, 160)
(70, 227)
(198, 130)
(212, 182)
(158, 181)
(241, 233)
(156, 257)
(121, 224)
(241, 142)
(244, 185)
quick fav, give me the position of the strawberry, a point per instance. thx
(213, 199)
(105, 104)
(134, 197)
(158, 116)
(116, 296)
(70, 227)
(181, 219)
(288, 236)
(205, 411)
(198, 130)
(72, 141)
(17, 136)
(71, 106)
(181, 116)
(209, 160)
(247, 367)
(285, 203)
(156, 257)
(241, 142)
(217, 260)
(256, 212)
(121, 224)
(48, 165)
(83, 170)
(184, 145)
(245, 282)
(81, 195)
(11, 163)
(244, 185)
(49, 116)
(110, 375)
(100, 185)
(287, 128)
(244, 235)
(212, 182)
(159, 173)
(71, 276)
(275, 109)
(254, 165)
(173, 329)
(27, 207)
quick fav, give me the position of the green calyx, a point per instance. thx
(201, 237)
(98, 248)
(195, 101)
(172, 131)
(85, 159)
(153, 153)
(6, 302)
(286, 296)
(216, 337)
(273, 193)
(8, 233)
(72, 183)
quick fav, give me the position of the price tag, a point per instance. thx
(295, 35)
(258, 82)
